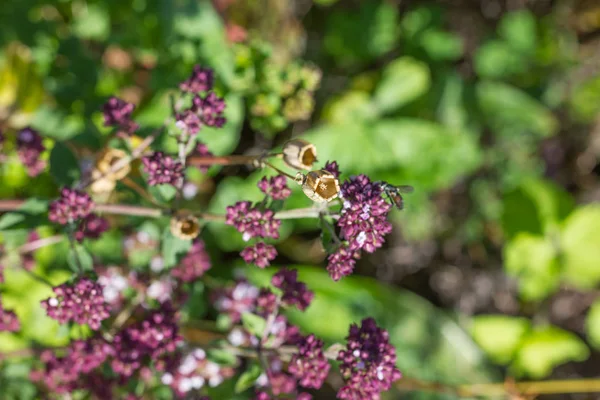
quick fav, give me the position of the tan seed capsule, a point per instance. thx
(185, 226)
(299, 154)
(102, 180)
(319, 186)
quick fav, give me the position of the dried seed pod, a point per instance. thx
(102, 180)
(299, 154)
(319, 186)
(185, 226)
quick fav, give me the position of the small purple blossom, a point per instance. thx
(195, 263)
(30, 147)
(71, 206)
(266, 301)
(252, 222)
(260, 254)
(117, 113)
(275, 187)
(236, 300)
(340, 263)
(294, 292)
(368, 364)
(189, 122)
(162, 169)
(281, 383)
(210, 109)
(333, 168)
(81, 302)
(91, 227)
(309, 365)
(201, 150)
(201, 80)
(8, 320)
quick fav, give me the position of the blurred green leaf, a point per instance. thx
(495, 59)
(584, 101)
(534, 261)
(54, 123)
(518, 28)
(173, 248)
(10, 219)
(580, 247)
(403, 80)
(80, 259)
(592, 324)
(430, 345)
(248, 378)
(221, 141)
(254, 324)
(451, 110)
(512, 112)
(64, 166)
(353, 105)
(93, 22)
(499, 335)
(545, 348)
(441, 45)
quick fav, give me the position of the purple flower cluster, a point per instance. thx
(81, 302)
(71, 206)
(193, 371)
(162, 169)
(30, 147)
(275, 187)
(363, 224)
(91, 227)
(8, 320)
(252, 222)
(155, 338)
(333, 168)
(117, 113)
(201, 80)
(295, 293)
(309, 365)
(209, 109)
(195, 263)
(236, 300)
(368, 364)
(260, 254)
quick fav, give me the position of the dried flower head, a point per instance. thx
(299, 154)
(185, 226)
(319, 186)
(162, 169)
(104, 179)
(71, 206)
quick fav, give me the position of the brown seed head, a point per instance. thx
(185, 226)
(320, 186)
(299, 154)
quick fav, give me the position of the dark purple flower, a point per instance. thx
(266, 301)
(275, 187)
(281, 383)
(162, 169)
(91, 227)
(210, 109)
(368, 364)
(8, 320)
(195, 263)
(260, 254)
(117, 113)
(201, 80)
(236, 300)
(340, 263)
(189, 122)
(294, 292)
(30, 147)
(202, 151)
(81, 302)
(309, 365)
(71, 206)
(332, 168)
(252, 222)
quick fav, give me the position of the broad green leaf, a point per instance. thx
(441, 45)
(403, 80)
(31, 214)
(248, 378)
(534, 261)
(430, 345)
(546, 348)
(496, 59)
(518, 28)
(54, 123)
(512, 112)
(163, 193)
(10, 219)
(584, 100)
(173, 248)
(451, 110)
(92, 22)
(254, 324)
(80, 259)
(499, 335)
(420, 19)
(580, 247)
(351, 106)
(64, 166)
(592, 324)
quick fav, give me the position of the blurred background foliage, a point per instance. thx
(489, 108)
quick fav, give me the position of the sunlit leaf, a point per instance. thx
(404, 79)
(499, 335)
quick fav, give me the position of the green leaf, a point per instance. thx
(222, 141)
(534, 261)
(80, 259)
(248, 378)
(28, 215)
(173, 248)
(584, 101)
(546, 348)
(34, 206)
(54, 123)
(10, 219)
(592, 324)
(221, 356)
(518, 28)
(580, 245)
(429, 343)
(163, 193)
(64, 166)
(451, 109)
(327, 240)
(353, 105)
(512, 112)
(441, 45)
(403, 80)
(499, 335)
(254, 324)
(496, 59)
(93, 22)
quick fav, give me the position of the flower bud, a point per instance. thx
(319, 186)
(299, 154)
(185, 226)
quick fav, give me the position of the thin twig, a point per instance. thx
(38, 244)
